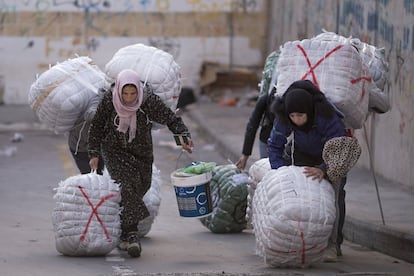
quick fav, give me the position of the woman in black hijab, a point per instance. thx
(304, 114)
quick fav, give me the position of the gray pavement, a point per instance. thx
(225, 125)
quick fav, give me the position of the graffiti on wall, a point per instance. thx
(372, 24)
(45, 14)
(131, 5)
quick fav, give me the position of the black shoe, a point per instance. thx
(134, 246)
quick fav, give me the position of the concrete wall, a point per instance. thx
(35, 34)
(382, 23)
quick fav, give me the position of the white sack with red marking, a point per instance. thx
(86, 217)
(65, 92)
(374, 59)
(335, 67)
(293, 217)
(153, 65)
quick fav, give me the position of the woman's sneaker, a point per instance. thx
(123, 244)
(134, 245)
(330, 254)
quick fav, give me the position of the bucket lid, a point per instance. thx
(193, 180)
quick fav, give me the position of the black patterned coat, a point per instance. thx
(130, 164)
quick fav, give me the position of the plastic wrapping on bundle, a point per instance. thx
(86, 217)
(229, 195)
(293, 217)
(65, 92)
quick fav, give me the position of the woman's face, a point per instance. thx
(298, 119)
(129, 94)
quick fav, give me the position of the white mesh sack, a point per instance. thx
(259, 168)
(152, 200)
(153, 65)
(293, 217)
(86, 217)
(374, 59)
(63, 93)
(335, 67)
(256, 172)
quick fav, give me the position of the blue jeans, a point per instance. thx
(263, 150)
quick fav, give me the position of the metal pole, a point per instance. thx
(371, 162)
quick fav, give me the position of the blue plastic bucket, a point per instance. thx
(193, 194)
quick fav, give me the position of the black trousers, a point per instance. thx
(341, 207)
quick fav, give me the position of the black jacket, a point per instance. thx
(260, 116)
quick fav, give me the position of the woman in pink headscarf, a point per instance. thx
(120, 133)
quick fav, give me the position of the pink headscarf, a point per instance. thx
(127, 113)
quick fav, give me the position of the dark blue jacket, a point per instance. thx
(310, 143)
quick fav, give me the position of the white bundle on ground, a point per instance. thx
(293, 217)
(63, 93)
(333, 66)
(152, 200)
(374, 59)
(153, 65)
(256, 173)
(258, 169)
(86, 218)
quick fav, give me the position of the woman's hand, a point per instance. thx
(241, 163)
(315, 173)
(93, 163)
(189, 146)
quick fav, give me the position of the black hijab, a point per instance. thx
(303, 97)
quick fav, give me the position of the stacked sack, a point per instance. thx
(153, 65)
(256, 173)
(86, 217)
(374, 59)
(293, 217)
(228, 188)
(269, 75)
(335, 67)
(65, 92)
(152, 200)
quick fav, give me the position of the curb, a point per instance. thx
(381, 238)
(225, 150)
(377, 237)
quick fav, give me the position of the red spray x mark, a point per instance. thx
(94, 212)
(304, 246)
(368, 79)
(313, 67)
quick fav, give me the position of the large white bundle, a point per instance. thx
(374, 59)
(293, 217)
(256, 173)
(63, 93)
(335, 67)
(86, 218)
(259, 168)
(152, 200)
(153, 65)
